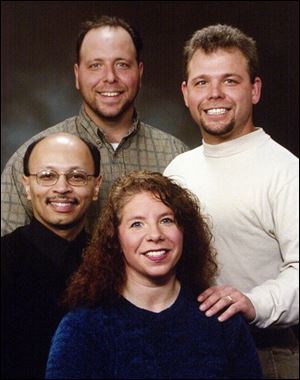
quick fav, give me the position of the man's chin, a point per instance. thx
(220, 130)
(111, 115)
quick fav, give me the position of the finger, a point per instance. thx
(211, 307)
(210, 301)
(219, 293)
(207, 293)
(229, 312)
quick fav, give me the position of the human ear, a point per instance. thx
(185, 92)
(256, 90)
(98, 182)
(26, 184)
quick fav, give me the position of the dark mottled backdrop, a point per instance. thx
(37, 54)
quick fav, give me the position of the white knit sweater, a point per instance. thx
(250, 188)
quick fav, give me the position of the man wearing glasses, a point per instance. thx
(61, 179)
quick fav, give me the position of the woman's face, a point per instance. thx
(150, 239)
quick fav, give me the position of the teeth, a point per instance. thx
(61, 204)
(216, 111)
(110, 93)
(155, 253)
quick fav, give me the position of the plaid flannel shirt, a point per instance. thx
(143, 148)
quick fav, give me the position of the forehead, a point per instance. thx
(220, 60)
(61, 153)
(104, 38)
(144, 201)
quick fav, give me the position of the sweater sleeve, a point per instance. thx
(276, 301)
(241, 350)
(76, 346)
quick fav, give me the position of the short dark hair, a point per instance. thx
(113, 22)
(92, 148)
(28, 154)
(214, 37)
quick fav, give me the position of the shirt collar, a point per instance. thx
(53, 246)
(88, 123)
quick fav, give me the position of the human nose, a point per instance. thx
(62, 185)
(216, 90)
(155, 233)
(110, 74)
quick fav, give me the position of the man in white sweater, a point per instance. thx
(249, 186)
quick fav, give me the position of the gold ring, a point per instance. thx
(229, 299)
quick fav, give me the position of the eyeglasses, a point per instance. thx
(48, 177)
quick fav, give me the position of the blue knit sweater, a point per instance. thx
(125, 342)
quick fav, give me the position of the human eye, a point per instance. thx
(77, 177)
(95, 66)
(167, 220)
(231, 81)
(200, 82)
(122, 65)
(136, 224)
(47, 175)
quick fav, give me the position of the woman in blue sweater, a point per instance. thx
(135, 313)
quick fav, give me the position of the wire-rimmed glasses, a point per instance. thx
(49, 177)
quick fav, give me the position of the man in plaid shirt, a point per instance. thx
(108, 76)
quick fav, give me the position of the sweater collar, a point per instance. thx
(125, 306)
(236, 146)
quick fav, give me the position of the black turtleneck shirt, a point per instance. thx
(35, 266)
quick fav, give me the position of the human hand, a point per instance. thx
(217, 298)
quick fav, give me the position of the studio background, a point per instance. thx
(38, 52)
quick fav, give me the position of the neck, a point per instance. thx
(214, 139)
(152, 297)
(66, 232)
(114, 129)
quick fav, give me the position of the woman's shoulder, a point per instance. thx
(86, 316)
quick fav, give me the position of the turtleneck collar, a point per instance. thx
(236, 146)
(53, 246)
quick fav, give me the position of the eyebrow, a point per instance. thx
(225, 75)
(67, 169)
(143, 217)
(98, 59)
